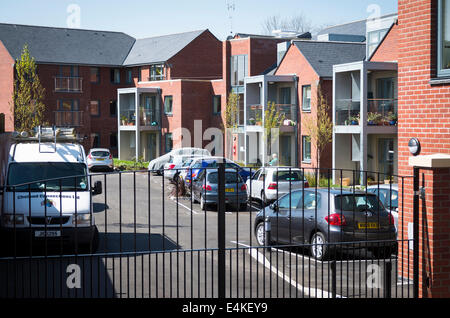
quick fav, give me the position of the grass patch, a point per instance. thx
(129, 165)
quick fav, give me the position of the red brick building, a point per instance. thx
(424, 113)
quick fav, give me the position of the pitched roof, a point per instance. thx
(159, 48)
(322, 55)
(67, 46)
(351, 28)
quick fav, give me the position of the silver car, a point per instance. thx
(177, 164)
(389, 201)
(100, 159)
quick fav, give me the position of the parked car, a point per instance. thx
(270, 183)
(389, 201)
(156, 165)
(176, 164)
(100, 159)
(47, 195)
(212, 162)
(205, 189)
(321, 216)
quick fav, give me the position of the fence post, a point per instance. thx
(221, 231)
(387, 279)
(416, 233)
(333, 279)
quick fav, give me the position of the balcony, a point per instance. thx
(148, 118)
(65, 118)
(68, 84)
(254, 114)
(379, 112)
(128, 118)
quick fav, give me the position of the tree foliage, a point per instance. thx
(272, 119)
(27, 103)
(232, 110)
(298, 23)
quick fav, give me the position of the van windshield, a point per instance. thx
(67, 176)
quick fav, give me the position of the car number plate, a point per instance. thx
(47, 233)
(370, 225)
(100, 159)
(229, 190)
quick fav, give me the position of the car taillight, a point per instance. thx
(391, 219)
(306, 184)
(335, 219)
(89, 156)
(171, 166)
(207, 187)
(244, 187)
(110, 156)
(272, 186)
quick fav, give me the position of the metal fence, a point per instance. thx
(283, 233)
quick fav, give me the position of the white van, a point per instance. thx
(47, 195)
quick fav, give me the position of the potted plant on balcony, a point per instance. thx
(258, 119)
(392, 118)
(251, 121)
(354, 120)
(373, 119)
(123, 120)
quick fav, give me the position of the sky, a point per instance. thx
(146, 18)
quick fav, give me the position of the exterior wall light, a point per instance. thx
(414, 146)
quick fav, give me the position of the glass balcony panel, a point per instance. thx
(64, 118)
(68, 84)
(347, 112)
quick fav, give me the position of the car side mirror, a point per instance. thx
(97, 189)
(274, 206)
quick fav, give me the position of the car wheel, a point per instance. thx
(318, 248)
(203, 203)
(260, 234)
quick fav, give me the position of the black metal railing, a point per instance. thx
(205, 233)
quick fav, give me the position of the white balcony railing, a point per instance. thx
(68, 118)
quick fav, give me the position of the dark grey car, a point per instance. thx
(205, 188)
(318, 217)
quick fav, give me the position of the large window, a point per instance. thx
(115, 76)
(306, 98)
(238, 69)
(94, 108)
(306, 149)
(374, 38)
(168, 104)
(443, 38)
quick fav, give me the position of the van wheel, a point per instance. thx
(319, 250)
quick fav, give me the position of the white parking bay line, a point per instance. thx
(260, 258)
(184, 206)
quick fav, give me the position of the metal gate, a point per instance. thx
(194, 234)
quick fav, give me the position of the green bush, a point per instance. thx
(129, 165)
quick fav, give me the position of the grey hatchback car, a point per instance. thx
(205, 188)
(321, 218)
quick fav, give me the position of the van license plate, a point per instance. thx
(47, 233)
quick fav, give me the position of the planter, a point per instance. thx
(393, 122)
(354, 122)
(371, 123)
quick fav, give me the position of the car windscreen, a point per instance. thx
(100, 154)
(358, 203)
(68, 176)
(230, 177)
(286, 176)
(205, 164)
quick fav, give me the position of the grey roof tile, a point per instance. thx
(67, 46)
(323, 55)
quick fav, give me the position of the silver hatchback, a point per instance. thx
(100, 159)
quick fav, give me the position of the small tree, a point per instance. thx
(272, 119)
(27, 102)
(232, 110)
(320, 127)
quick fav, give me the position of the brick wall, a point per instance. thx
(387, 51)
(424, 113)
(6, 86)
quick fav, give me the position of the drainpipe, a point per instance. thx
(298, 126)
(160, 120)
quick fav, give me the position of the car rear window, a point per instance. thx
(100, 153)
(357, 202)
(230, 177)
(280, 176)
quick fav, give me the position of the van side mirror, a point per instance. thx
(97, 189)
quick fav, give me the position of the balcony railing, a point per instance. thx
(254, 114)
(128, 118)
(379, 112)
(68, 84)
(149, 117)
(65, 118)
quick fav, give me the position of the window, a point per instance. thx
(168, 102)
(306, 147)
(139, 74)
(69, 71)
(169, 142)
(95, 137)
(129, 78)
(216, 104)
(306, 98)
(285, 95)
(156, 72)
(95, 75)
(115, 76)
(94, 108)
(113, 108)
(374, 39)
(238, 69)
(443, 53)
(113, 140)
(290, 201)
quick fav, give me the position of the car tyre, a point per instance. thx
(203, 205)
(261, 234)
(318, 248)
